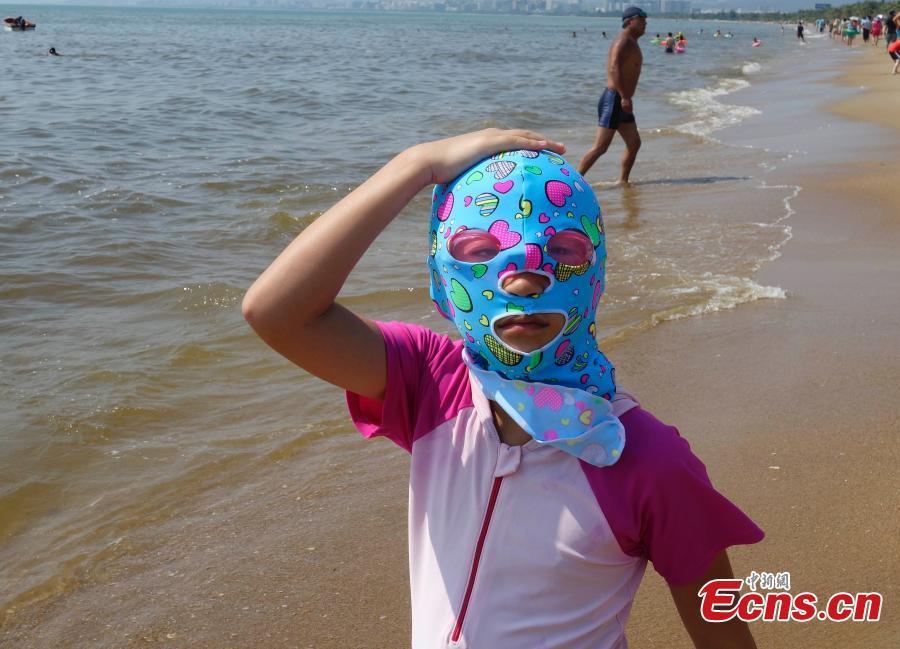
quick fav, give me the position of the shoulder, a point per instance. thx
(424, 356)
(660, 502)
(651, 445)
(426, 385)
(628, 44)
(655, 456)
(418, 340)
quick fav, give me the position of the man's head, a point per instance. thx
(634, 19)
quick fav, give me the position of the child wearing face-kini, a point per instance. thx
(539, 489)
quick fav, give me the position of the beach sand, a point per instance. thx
(791, 404)
(800, 424)
(800, 420)
(879, 102)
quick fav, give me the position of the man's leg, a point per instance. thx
(604, 137)
(629, 133)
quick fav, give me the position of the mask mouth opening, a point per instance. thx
(525, 320)
(539, 325)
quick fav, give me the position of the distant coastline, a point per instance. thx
(573, 9)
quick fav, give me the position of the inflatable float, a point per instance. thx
(17, 24)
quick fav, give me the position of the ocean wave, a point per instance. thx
(708, 113)
(387, 299)
(207, 298)
(282, 222)
(751, 68)
(724, 292)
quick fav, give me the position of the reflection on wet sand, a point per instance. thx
(631, 206)
(696, 180)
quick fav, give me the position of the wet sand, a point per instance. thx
(799, 423)
(791, 404)
(879, 101)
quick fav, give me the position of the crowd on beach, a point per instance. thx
(871, 29)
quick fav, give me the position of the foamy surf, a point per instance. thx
(751, 68)
(708, 113)
(728, 292)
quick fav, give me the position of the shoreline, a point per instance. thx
(318, 557)
(881, 88)
(802, 436)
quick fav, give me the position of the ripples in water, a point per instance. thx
(149, 182)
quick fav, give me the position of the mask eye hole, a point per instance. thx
(472, 246)
(570, 247)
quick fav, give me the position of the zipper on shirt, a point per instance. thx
(457, 629)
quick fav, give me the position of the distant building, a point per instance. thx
(675, 6)
(823, 5)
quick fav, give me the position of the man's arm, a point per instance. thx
(624, 68)
(733, 634)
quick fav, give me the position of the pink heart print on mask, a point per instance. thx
(533, 256)
(505, 186)
(443, 211)
(507, 239)
(557, 192)
(548, 398)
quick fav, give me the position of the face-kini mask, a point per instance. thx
(531, 211)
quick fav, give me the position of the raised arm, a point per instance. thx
(291, 305)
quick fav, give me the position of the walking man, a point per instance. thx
(615, 110)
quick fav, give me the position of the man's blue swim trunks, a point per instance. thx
(609, 110)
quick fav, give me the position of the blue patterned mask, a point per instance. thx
(523, 211)
(523, 202)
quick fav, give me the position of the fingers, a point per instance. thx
(530, 140)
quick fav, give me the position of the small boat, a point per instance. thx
(17, 24)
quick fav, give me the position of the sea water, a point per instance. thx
(155, 169)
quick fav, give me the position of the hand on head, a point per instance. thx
(450, 157)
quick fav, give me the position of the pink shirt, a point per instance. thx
(527, 546)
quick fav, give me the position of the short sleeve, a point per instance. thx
(685, 521)
(661, 504)
(427, 383)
